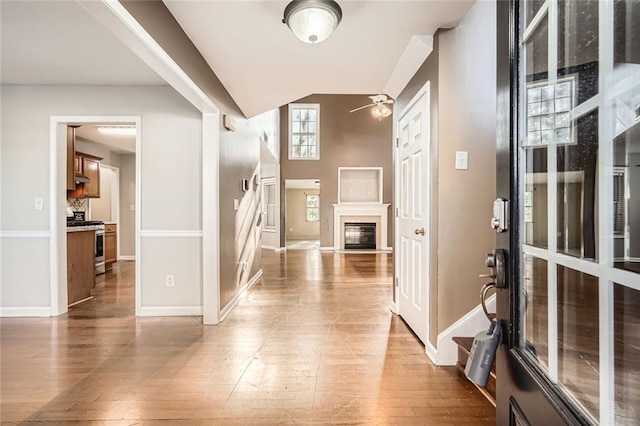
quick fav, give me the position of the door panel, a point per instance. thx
(568, 130)
(412, 218)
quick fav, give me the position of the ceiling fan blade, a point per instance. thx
(388, 101)
(362, 107)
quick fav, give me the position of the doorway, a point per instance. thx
(302, 214)
(87, 147)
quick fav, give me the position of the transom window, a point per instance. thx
(313, 208)
(304, 125)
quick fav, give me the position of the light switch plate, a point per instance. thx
(132, 207)
(462, 160)
(39, 203)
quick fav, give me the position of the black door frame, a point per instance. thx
(524, 394)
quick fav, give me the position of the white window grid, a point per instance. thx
(269, 205)
(304, 131)
(313, 207)
(607, 275)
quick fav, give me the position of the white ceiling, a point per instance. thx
(58, 42)
(117, 144)
(263, 65)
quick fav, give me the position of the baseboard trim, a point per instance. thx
(171, 233)
(170, 311)
(432, 352)
(268, 247)
(327, 249)
(126, 258)
(44, 311)
(394, 308)
(280, 249)
(25, 234)
(469, 325)
(239, 295)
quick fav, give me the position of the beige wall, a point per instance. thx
(356, 140)
(462, 72)
(298, 228)
(127, 225)
(101, 207)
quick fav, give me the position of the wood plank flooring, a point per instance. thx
(313, 342)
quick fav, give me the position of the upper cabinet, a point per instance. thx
(86, 166)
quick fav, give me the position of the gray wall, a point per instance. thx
(127, 226)
(462, 72)
(356, 140)
(239, 150)
(171, 140)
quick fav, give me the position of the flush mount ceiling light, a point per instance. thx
(117, 130)
(312, 21)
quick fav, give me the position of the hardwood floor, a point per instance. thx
(313, 342)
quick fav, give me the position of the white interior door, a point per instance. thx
(413, 215)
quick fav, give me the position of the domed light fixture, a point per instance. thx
(312, 21)
(380, 111)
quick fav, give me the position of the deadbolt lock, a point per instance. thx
(496, 260)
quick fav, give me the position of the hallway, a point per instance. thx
(313, 342)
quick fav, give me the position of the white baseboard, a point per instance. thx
(268, 247)
(431, 352)
(239, 295)
(327, 249)
(26, 312)
(126, 258)
(394, 308)
(467, 326)
(170, 311)
(279, 249)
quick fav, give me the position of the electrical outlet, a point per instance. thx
(170, 280)
(39, 203)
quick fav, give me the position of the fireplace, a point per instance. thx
(359, 235)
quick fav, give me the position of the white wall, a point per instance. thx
(171, 175)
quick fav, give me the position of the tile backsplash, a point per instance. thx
(78, 204)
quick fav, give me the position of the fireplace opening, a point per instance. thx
(359, 235)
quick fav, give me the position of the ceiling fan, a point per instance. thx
(380, 110)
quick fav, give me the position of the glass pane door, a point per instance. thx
(579, 139)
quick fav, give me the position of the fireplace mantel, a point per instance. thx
(360, 209)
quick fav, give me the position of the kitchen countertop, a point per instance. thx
(83, 228)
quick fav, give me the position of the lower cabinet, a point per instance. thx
(110, 244)
(81, 262)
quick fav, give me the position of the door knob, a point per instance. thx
(419, 231)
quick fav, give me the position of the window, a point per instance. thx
(548, 111)
(304, 134)
(269, 205)
(313, 208)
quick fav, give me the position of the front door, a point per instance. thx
(569, 162)
(413, 201)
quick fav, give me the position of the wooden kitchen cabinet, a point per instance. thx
(110, 244)
(89, 166)
(81, 261)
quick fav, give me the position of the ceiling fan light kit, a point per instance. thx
(380, 109)
(312, 21)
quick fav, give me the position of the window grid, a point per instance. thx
(304, 124)
(270, 206)
(313, 208)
